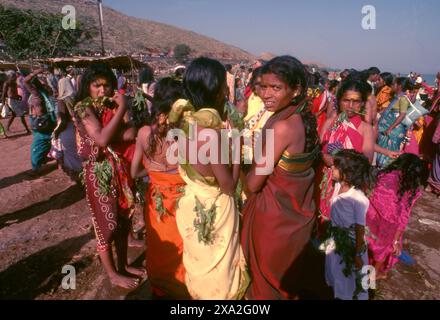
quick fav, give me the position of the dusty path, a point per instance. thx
(45, 224)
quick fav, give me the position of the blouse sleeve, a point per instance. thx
(360, 210)
(403, 105)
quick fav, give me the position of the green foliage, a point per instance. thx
(181, 52)
(345, 247)
(204, 223)
(234, 116)
(36, 34)
(160, 207)
(99, 104)
(2, 130)
(141, 188)
(139, 101)
(104, 174)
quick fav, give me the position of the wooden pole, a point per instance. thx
(101, 23)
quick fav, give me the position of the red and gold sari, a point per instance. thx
(277, 225)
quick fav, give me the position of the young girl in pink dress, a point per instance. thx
(391, 202)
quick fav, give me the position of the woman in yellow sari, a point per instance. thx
(207, 216)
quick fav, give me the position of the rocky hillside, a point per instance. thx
(127, 35)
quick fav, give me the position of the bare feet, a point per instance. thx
(139, 272)
(124, 281)
(381, 276)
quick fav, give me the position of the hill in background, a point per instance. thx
(128, 35)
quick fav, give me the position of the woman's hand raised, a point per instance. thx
(120, 100)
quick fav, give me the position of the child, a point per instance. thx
(346, 251)
(393, 197)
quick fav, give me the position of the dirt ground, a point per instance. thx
(45, 225)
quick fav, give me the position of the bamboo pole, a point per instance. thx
(101, 23)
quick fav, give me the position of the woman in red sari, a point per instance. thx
(164, 243)
(101, 138)
(279, 215)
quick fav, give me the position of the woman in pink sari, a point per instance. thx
(345, 131)
(391, 202)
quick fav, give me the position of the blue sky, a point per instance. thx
(406, 37)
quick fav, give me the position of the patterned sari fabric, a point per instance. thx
(386, 215)
(164, 243)
(256, 118)
(320, 104)
(208, 222)
(343, 134)
(108, 185)
(394, 140)
(277, 225)
(384, 98)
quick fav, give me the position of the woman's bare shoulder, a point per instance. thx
(293, 123)
(143, 135)
(145, 131)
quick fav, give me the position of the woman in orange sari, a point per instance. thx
(164, 243)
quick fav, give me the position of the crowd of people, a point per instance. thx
(349, 159)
